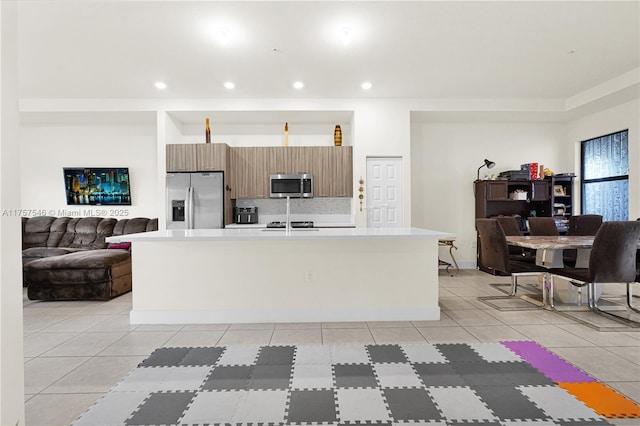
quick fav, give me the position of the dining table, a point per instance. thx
(549, 249)
(549, 254)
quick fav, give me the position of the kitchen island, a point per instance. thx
(275, 275)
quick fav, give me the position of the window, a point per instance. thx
(605, 176)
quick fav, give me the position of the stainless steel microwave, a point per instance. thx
(298, 185)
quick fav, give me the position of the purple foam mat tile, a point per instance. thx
(549, 364)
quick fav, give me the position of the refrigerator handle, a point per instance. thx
(192, 211)
(187, 207)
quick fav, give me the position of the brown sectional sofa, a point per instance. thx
(68, 259)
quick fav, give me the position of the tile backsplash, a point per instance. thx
(320, 210)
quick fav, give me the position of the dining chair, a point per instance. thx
(586, 224)
(495, 253)
(543, 226)
(509, 225)
(612, 260)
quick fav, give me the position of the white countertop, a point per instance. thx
(315, 224)
(281, 234)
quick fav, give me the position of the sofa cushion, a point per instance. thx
(36, 231)
(135, 225)
(84, 259)
(90, 232)
(33, 253)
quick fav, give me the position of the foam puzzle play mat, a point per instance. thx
(512, 383)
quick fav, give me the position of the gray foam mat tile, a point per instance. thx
(349, 354)
(202, 356)
(461, 404)
(276, 355)
(312, 376)
(163, 379)
(307, 406)
(112, 409)
(354, 376)
(361, 405)
(161, 409)
(165, 357)
(260, 406)
(494, 352)
(557, 403)
(412, 405)
(509, 404)
(313, 354)
(270, 377)
(458, 352)
(229, 377)
(397, 376)
(212, 407)
(239, 355)
(521, 373)
(438, 375)
(386, 353)
(420, 353)
(480, 373)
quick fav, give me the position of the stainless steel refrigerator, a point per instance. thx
(195, 200)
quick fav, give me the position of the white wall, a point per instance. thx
(445, 157)
(11, 327)
(47, 148)
(620, 117)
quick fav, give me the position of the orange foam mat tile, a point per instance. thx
(603, 400)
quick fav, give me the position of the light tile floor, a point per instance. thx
(76, 351)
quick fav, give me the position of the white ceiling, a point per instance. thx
(416, 49)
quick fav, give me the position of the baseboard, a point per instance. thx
(286, 315)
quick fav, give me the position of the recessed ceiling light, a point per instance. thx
(366, 85)
(298, 85)
(224, 35)
(345, 34)
(160, 85)
(229, 84)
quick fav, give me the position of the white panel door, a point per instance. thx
(384, 196)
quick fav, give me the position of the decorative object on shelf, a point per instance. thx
(361, 191)
(518, 194)
(337, 136)
(207, 130)
(488, 164)
(558, 190)
(286, 134)
(533, 171)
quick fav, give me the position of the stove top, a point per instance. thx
(294, 224)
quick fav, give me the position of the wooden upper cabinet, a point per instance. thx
(211, 156)
(249, 172)
(540, 190)
(181, 158)
(497, 190)
(343, 177)
(332, 169)
(276, 160)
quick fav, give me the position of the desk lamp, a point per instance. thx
(487, 163)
